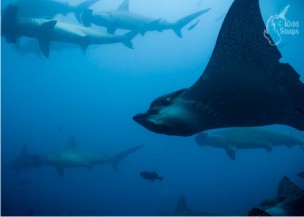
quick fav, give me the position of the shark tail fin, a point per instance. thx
(120, 156)
(126, 38)
(86, 17)
(178, 25)
(44, 38)
(8, 23)
(81, 7)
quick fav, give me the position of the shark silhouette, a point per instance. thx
(235, 138)
(244, 84)
(71, 157)
(122, 18)
(50, 8)
(46, 31)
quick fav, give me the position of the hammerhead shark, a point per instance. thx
(244, 84)
(235, 138)
(46, 31)
(71, 157)
(50, 8)
(122, 18)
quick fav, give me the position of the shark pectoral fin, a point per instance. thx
(45, 47)
(126, 40)
(268, 147)
(230, 150)
(111, 30)
(44, 37)
(60, 170)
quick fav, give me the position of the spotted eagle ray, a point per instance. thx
(288, 202)
(244, 84)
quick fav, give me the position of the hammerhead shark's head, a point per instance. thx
(244, 84)
(71, 157)
(122, 18)
(24, 161)
(51, 30)
(235, 138)
(288, 202)
(50, 8)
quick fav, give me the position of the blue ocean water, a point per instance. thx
(93, 96)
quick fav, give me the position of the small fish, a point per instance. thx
(152, 176)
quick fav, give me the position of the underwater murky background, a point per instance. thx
(93, 96)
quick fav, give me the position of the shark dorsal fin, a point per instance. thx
(71, 143)
(124, 5)
(181, 207)
(288, 189)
